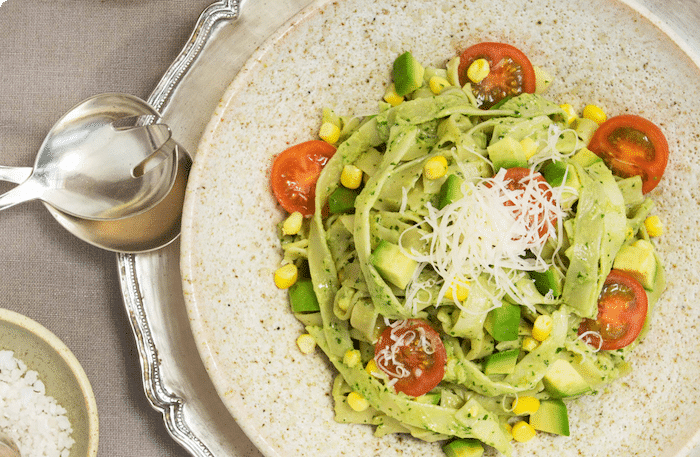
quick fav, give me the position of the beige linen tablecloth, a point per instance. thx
(52, 56)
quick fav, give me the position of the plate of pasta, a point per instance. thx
(468, 232)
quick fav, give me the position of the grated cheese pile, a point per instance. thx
(35, 421)
(493, 230)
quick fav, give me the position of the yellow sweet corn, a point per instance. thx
(478, 70)
(351, 177)
(286, 276)
(529, 146)
(569, 112)
(329, 132)
(391, 97)
(525, 405)
(458, 290)
(435, 167)
(523, 432)
(438, 84)
(352, 358)
(595, 113)
(372, 367)
(654, 226)
(306, 343)
(542, 327)
(292, 225)
(357, 402)
(530, 344)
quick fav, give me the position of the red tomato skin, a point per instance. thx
(517, 175)
(494, 53)
(634, 318)
(430, 377)
(626, 156)
(294, 174)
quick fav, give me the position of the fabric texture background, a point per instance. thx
(52, 56)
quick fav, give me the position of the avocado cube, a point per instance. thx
(465, 447)
(638, 260)
(392, 264)
(342, 200)
(504, 322)
(408, 74)
(450, 191)
(551, 417)
(562, 174)
(562, 380)
(501, 362)
(585, 157)
(550, 280)
(585, 128)
(302, 297)
(506, 153)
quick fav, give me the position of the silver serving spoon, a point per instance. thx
(143, 232)
(98, 161)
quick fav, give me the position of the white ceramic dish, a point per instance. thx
(338, 54)
(57, 367)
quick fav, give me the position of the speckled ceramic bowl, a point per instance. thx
(338, 54)
(60, 372)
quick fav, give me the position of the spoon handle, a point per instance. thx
(16, 175)
(28, 190)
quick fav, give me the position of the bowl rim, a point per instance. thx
(69, 358)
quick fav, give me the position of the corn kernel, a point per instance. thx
(351, 177)
(594, 113)
(569, 112)
(530, 344)
(329, 132)
(292, 225)
(654, 226)
(435, 167)
(306, 343)
(529, 146)
(542, 327)
(391, 97)
(352, 358)
(438, 84)
(357, 402)
(458, 290)
(286, 276)
(523, 432)
(525, 405)
(478, 70)
(372, 367)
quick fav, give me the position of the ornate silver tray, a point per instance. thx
(175, 380)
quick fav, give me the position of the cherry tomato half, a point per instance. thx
(411, 352)
(631, 145)
(295, 172)
(511, 72)
(518, 179)
(622, 310)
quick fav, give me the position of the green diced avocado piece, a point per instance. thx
(451, 191)
(506, 153)
(551, 417)
(504, 322)
(464, 448)
(585, 128)
(501, 362)
(585, 157)
(407, 74)
(392, 264)
(342, 200)
(431, 398)
(562, 380)
(551, 279)
(639, 261)
(562, 174)
(302, 297)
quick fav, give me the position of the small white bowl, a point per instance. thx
(61, 373)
